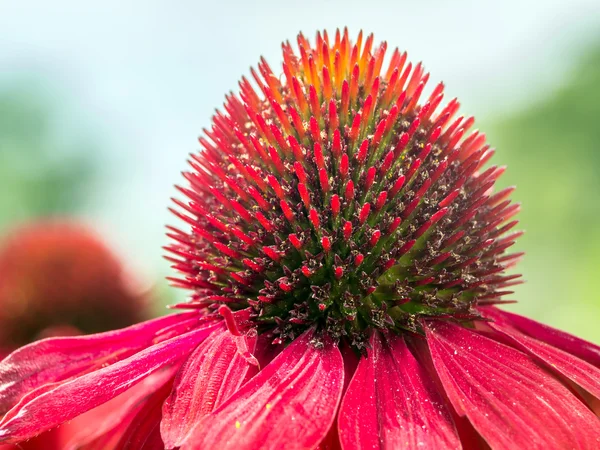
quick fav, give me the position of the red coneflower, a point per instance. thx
(345, 252)
(57, 277)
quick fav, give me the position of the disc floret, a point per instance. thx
(334, 197)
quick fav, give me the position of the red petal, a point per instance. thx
(290, 404)
(573, 368)
(210, 376)
(111, 438)
(90, 426)
(143, 431)
(392, 403)
(332, 440)
(45, 441)
(81, 394)
(575, 346)
(509, 400)
(59, 359)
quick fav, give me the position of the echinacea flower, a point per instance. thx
(57, 277)
(346, 254)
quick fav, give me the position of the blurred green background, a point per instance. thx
(552, 149)
(101, 103)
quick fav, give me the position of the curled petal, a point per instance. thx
(214, 371)
(111, 438)
(510, 401)
(143, 432)
(290, 404)
(573, 368)
(567, 342)
(392, 403)
(56, 360)
(74, 397)
(98, 422)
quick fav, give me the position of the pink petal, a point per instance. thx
(97, 422)
(392, 403)
(509, 400)
(210, 375)
(290, 404)
(143, 431)
(81, 394)
(111, 438)
(59, 359)
(573, 368)
(575, 346)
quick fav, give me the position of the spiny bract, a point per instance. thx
(335, 198)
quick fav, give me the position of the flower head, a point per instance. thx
(336, 200)
(346, 252)
(58, 277)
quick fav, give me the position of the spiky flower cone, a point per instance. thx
(339, 199)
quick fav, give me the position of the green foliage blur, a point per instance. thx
(42, 172)
(552, 150)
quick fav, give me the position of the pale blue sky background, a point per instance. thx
(146, 76)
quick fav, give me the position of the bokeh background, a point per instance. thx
(100, 103)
